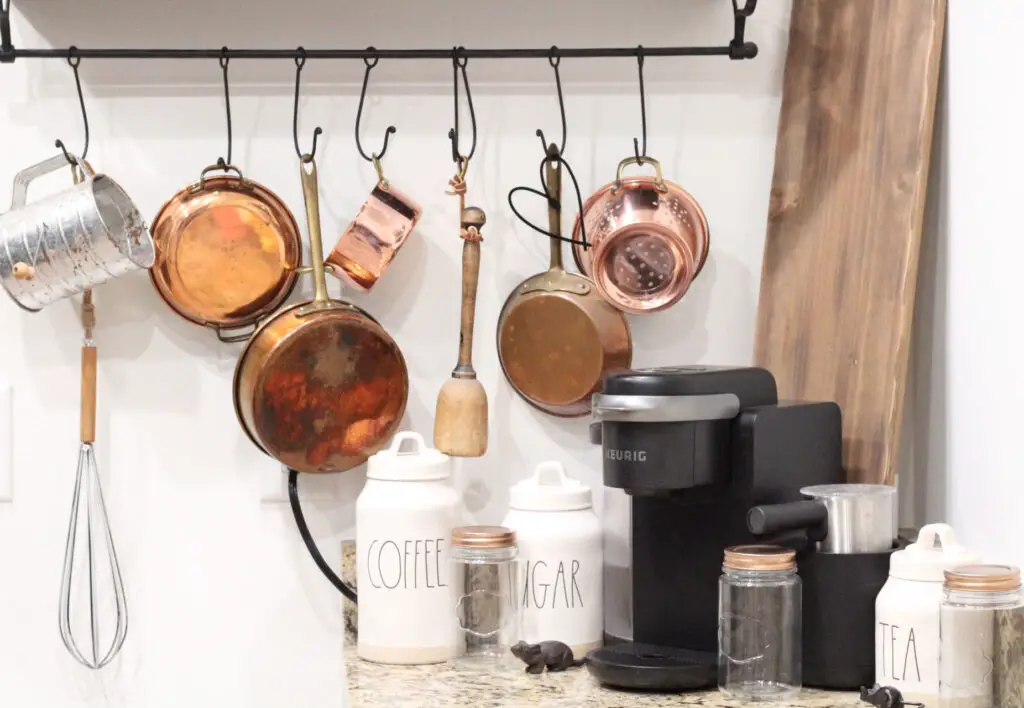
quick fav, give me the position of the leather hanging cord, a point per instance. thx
(307, 538)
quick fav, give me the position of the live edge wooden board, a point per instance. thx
(844, 227)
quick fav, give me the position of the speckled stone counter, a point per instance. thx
(385, 686)
(442, 685)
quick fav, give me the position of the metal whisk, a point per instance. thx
(96, 522)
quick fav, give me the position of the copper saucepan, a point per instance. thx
(557, 337)
(373, 239)
(227, 253)
(321, 385)
(648, 240)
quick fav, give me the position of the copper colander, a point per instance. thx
(648, 240)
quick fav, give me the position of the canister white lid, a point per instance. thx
(934, 552)
(414, 464)
(549, 489)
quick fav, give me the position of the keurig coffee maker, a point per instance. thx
(693, 449)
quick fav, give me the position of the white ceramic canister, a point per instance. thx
(907, 613)
(559, 538)
(404, 518)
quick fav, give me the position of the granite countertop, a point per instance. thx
(383, 686)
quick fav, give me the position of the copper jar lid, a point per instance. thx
(759, 557)
(483, 537)
(983, 578)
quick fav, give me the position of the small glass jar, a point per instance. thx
(981, 638)
(485, 573)
(759, 624)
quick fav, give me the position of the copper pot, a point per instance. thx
(648, 240)
(321, 385)
(227, 253)
(557, 337)
(374, 237)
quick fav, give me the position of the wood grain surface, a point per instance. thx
(847, 205)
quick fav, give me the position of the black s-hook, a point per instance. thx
(643, 107)
(300, 61)
(555, 60)
(73, 61)
(377, 156)
(459, 63)
(221, 161)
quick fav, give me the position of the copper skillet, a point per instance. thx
(227, 253)
(320, 386)
(557, 338)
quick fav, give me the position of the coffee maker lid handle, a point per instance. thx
(665, 409)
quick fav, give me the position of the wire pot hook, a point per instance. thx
(459, 62)
(554, 60)
(375, 157)
(300, 61)
(73, 61)
(551, 154)
(221, 161)
(643, 107)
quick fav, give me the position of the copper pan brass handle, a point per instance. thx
(553, 177)
(311, 193)
(659, 181)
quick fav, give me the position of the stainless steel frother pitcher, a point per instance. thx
(70, 241)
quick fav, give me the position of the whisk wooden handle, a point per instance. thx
(88, 394)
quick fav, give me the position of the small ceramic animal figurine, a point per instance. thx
(553, 656)
(885, 697)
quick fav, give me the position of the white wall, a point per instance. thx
(967, 378)
(226, 607)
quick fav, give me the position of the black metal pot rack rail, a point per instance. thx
(737, 48)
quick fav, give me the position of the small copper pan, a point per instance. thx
(374, 237)
(557, 337)
(320, 386)
(227, 253)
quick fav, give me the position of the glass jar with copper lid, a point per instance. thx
(485, 573)
(759, 623)
(981, 638)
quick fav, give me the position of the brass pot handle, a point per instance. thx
(244, 333)
(659, 181)
(311, 196)
(214, 168)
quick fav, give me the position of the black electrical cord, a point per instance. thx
(307, 538)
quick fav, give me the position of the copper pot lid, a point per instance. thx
(227, 251)
(332, 392)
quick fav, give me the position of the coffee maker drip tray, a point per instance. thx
(646, 667)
